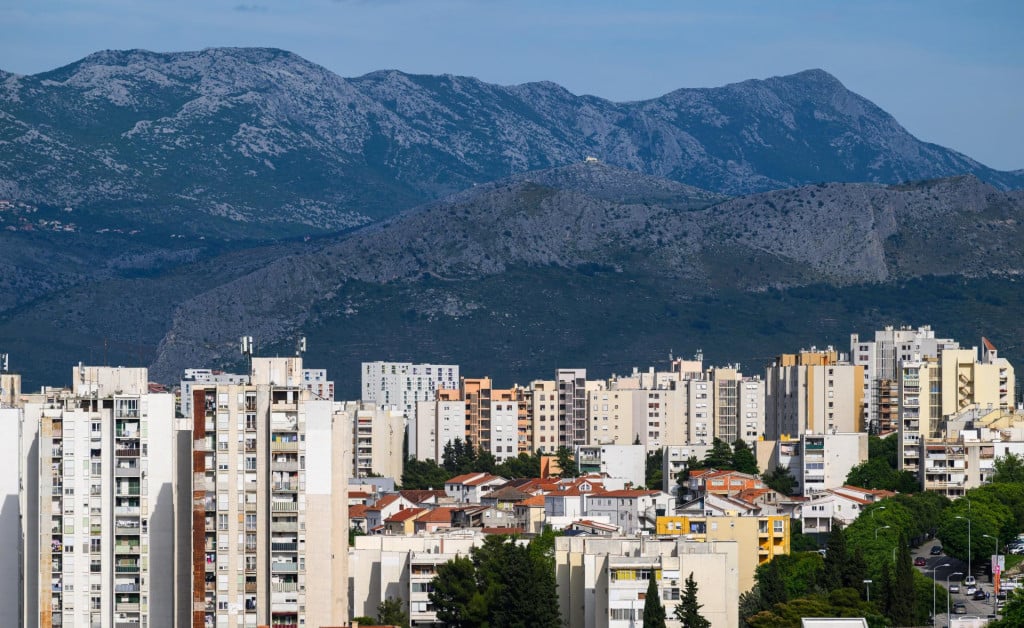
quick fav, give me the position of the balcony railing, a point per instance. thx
(284, 567)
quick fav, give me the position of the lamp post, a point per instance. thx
(968, 539)
(995, 567)
(872, 511)
(867, 585)
(955, 573)
(934, 569)
(880, 528)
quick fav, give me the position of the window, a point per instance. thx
(222, 521)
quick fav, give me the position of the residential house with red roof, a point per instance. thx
(470, 487)
(402, 523)
(632, 510)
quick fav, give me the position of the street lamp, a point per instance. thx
(995, 569)
(872, 511)
(880, 528)
(955, 573)
(867, 585)
(933, 589)
(968, 539)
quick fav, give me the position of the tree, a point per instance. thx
(654, 612)
(456, 596)
(390, 613)
(743, 459)
(1013, 612)
(1008, 468)
(884, 449)
(780, 480)
(773, 587)
(798, 541)
(423, 474)
(719, 456)
(687, 610)
(566, 462)
(874, 473)
(836, 559)
(653, 475)
(904, 609)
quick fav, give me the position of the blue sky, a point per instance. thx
(952, 72)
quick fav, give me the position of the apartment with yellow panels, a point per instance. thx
(759, 539)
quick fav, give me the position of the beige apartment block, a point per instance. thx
(818, 462)
(881, 359)
(269, 517)
(812, 392)
(439, 422)
(401, 567)
(377, 438)
(543, 400)
(972, 440)
(97, 471)
(933, 389)
(602, 581)
(10, 390)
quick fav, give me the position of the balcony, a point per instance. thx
(285, 526)
(127, 472)
(126, 569)
(126, 607)
(289, 465)
(127, 588)
(284, 507)
(128, 452)
(284, 547)
(127, 510)
(279, 445)
(127, 549)
(284, 567)
(284, 587)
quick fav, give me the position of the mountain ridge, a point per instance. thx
(262, 139)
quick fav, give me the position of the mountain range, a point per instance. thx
(509, 228)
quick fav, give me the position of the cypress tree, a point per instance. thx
(836, 561)
(687, 610)
(654, 612)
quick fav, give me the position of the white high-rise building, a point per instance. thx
(97, 469)
(881, 359)
(439, 422)
(266, 515)
(404, 384)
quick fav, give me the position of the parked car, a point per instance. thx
(980, 595)
(959, 608)
(920, 561)
(954, 587)
(971, 590)
(936, 550)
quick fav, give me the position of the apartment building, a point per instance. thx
(378, 434)
(674, 462)
(269, 503)
(632, 510)
(403, 384)
(932, 389)
(204, 377)
(572, 407)
(813, 391)
(881, 360)
(759, 539)
(439, 422)
(402, 567)
(616, 461)
(543, 415)
(602, 580)
(964, 456)
(817, 462)
(97, 526)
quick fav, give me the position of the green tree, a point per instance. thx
(654, 612)
(423, 474)
(772, 585)
(837, 559)
(798, 541)
(719, 456)
(687, 610)
(390, 613)
(780, 480)
(904, 612)
(653, 475)
(365, 620)
(884, 449)
(1013, 612)
(1008, 468)
(874, 473)
(566, 462)
(743, 459)
(522, 466)
(458, 600)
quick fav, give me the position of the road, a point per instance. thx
(981, 608)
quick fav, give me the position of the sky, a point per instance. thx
(950, 71)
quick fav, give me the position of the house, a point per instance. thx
(719, 506)
(435, 520)
(482, 517)
(726, 482)
(504, 498)
(385, 507)
(841, 505)
(426, 498)
(588, 526)
(529, 514)
(632, 510)
(357, 518)
(470, 487)
(403, 521)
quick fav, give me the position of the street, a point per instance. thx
(980, 608)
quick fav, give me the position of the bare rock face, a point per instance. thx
(261, 137)
(597, 218)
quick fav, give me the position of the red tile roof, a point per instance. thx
(405, 515)
(532, 502)
(384, 502)
(442, 514)
(357, 512)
